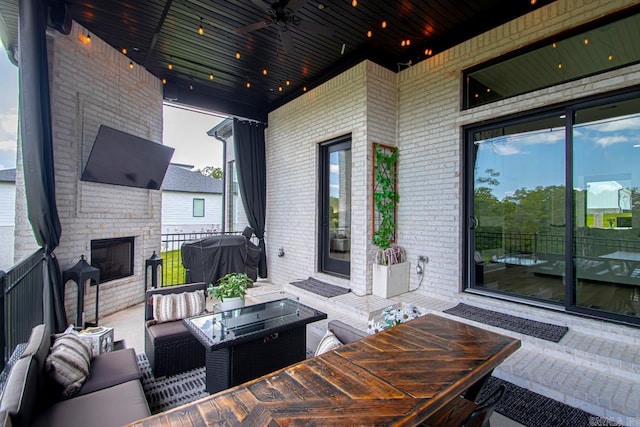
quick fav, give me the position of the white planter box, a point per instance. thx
(391, 280)
(231, 304)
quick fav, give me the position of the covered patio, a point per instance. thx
(302, 79)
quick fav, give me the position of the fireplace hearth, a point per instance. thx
(114, 257)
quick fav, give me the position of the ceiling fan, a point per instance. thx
(282, 16)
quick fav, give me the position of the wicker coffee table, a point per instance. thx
(246, 343)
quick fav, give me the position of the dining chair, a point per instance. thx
(480, 416)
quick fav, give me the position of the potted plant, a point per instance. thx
(231, 290)
(390, 270)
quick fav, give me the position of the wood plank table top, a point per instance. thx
(400, 376)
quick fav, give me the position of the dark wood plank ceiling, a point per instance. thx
(158, 32)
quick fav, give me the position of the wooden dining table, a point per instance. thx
(401, 376)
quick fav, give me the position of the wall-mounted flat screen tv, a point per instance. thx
(120, 158)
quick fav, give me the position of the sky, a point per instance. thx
(184, 130)
(8, 111)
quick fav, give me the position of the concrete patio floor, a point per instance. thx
(128, 324)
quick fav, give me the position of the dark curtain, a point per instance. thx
(37, 152)
(249, 147)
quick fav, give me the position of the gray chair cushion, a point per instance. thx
(345, 333)
(38, 345)
(113, 406)
(109, 369)
(168, 332)
(20, 392)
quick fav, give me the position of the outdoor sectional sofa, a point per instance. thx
(112, 394)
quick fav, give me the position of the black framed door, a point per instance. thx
(334, 214)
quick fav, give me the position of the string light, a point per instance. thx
(200, 28)
(586, 40)
(384, 24)
(288, 82)
(123, 50)
(248, 84)
(304, 88)
(131, 65)
(354, 3)
(170, 65)
(554, 45)
(560, 66)
(164, 81)
(428, 52)
(88, 38)
(210, 76)
(279, 88)
(264, 71)
(533, 2)
(238, 55)
(610, 58)
(369, 33)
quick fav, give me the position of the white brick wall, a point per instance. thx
(91, 84)
(360, 102)
(419, 110)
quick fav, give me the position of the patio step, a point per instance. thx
(600, 375)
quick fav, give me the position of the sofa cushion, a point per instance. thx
(167, 308)
(20, 392)
(114, 406)
(148, 306)
(346, 333)
(168, 332)
(38, 345)
(109, 369)
(327, 343)
(68, 363)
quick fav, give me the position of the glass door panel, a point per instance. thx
(335, 208)
(606, 183)
(518, 224)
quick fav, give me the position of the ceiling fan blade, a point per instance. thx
(262, 4)
(315, 28)
(287, 41)
(295, 5)
(252, 27)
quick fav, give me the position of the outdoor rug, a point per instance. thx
(532, 409)
(532, 328)
(321, 288)
(171, 391)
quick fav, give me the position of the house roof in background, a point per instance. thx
(8, 175)
(182, 180)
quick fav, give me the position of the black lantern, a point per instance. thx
(154, 262)
(81, 273)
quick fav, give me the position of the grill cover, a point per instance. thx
(208, 259)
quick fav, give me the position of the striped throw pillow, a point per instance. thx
(170, 307)
(68, 362)
(327, 343)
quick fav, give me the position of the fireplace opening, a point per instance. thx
(114, 257)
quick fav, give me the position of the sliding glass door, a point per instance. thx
(553, 207)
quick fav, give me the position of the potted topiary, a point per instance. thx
(230, 290)
(390, 270)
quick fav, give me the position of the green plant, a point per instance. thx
(232, 285)
(385, 195)
(385, 198)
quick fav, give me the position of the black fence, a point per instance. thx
(538, 243)
(21, 305)
(173, 272)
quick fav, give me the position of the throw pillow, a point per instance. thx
(68, 363)
(327, 343)
(170, 307)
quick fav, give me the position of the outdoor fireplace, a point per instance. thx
(114, 257)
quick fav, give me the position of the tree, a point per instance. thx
(211, 171)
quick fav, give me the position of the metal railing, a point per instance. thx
(538, 243)
(173, 272)
(21, 305)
